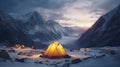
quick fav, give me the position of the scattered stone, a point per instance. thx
(4, 54)
(56, 66)
(112, 52)
(100, 56)
(30, 54)
(58, 62)
(20, 60)
(46, 61)
(21, 53)
(41, 55)
(67, 60)
(75, 61)
(66, 65)
(39, 62)
(71, 50)
(86, 58)
(67, 56)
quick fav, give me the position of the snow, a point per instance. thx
(106, 61)
(18, 64)
(94, 57)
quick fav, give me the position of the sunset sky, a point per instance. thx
(80, 13)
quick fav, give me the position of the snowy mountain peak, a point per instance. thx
(35, 14)
(35, 18)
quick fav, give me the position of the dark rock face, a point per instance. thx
(105, 32)
(10, 33)
(4, 55)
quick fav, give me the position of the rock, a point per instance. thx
(67, 60)
(12, 51)
(86, 58)
(58, 62)
(21, 53)
(30, 54)
(39, 62)
(67, 56)
(3, 60)
(4, 55)
(20, 60)
(112, 52)
(41, 55)
(46, 61)
(75, 61)
(100, 56)
(66, 65)
(71, 50)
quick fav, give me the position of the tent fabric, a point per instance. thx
(55, 50)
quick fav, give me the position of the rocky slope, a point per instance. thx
(10, 33)
(105, 32)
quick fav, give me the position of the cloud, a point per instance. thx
(84, 13)
(81, 13)
(20, 5)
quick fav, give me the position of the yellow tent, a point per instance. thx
(55, 50)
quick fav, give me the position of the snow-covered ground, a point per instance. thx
(90, 57)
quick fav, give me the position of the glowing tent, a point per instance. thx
(55, 50)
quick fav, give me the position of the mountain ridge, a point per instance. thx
(105, 32)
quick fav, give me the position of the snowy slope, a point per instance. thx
(10, 33)
(105, 32)
(91, 57)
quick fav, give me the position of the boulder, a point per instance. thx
(67, 56)
(4, 54)
(75, 61)
(39, 62)
(20, 60)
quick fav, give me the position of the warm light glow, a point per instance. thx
(55, 50)
(19, 46)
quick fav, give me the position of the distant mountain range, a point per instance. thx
(30, 28)
(40, 30)
(105, 32)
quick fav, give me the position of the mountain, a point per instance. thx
(105, 32)
(39, 30)
(34, 18)
(10, 33)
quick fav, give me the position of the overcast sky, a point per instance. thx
(82, 13)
